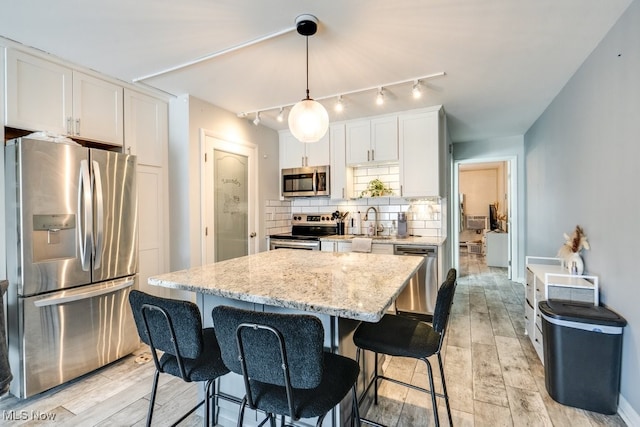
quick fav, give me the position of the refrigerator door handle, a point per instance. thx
(85, 223)
(97, 190)
(77, 296)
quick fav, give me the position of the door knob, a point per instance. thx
(252, 235)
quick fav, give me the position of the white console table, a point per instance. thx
(548, 278)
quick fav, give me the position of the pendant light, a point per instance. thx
(308, 119)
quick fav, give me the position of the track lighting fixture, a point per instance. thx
(417, 90)
(280, 116)
(256, 121)
(380, 97)
(308, 119)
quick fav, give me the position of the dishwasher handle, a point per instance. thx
(430, 251)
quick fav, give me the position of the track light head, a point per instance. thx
(417, 89)
(256, 121)
(380, 96)
(280, 117)
(339, 107)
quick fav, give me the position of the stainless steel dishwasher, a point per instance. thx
(418, 299)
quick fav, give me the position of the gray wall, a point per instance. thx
(582, 159)
(187, 116)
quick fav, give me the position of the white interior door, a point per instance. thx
(229, 199)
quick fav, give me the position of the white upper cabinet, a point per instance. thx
(39, 94)
(97, 109)
(296, 154)
(422, 154)
(341, 175)
(372, 140)
(145, 127)
(45, 96)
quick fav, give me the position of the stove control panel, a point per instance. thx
(313, 219)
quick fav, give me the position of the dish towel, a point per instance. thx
(361, 244)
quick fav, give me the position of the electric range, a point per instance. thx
(306, 231)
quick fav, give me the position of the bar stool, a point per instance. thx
(190, 352)
(284, 366)
(396, 335)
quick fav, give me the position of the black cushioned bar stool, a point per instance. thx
(285, 368)
(396, 335)
(190, 352)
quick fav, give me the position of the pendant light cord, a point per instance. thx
(307, 40)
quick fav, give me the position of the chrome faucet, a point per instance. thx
(366, 218)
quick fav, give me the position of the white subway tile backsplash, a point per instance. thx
(425, 216)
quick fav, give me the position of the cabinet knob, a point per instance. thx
(253, 234)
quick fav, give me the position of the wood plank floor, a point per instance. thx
(493, 375)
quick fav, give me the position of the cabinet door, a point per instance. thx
(327, 246)
(382, 248)
(318, 153)
(384, 139)
(344, 246)
(292, 151)
(341, 175)
(39, 94)
(419, 154)
(97, 109)
(152, 216)
(146, 128)
(358, 142)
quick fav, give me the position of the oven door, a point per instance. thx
(307, 245)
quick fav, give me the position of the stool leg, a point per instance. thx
(152, 400)
(433, 393)
(375, 378)
(241, 412)
(355, 410)
(444, 390)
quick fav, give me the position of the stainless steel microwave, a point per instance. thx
(306, 182)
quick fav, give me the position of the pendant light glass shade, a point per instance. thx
(308, 121)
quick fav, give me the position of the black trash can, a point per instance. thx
(582, 354)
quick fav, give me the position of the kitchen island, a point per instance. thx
(342, 289)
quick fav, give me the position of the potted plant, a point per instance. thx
(376, 188)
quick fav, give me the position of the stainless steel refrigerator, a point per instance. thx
(72, 259)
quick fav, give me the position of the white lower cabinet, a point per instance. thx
(327, 246)
(376, 248)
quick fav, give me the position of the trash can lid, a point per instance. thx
(580, 312)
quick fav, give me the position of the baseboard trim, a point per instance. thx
(627, 413)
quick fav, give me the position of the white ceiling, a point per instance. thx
(504, 60)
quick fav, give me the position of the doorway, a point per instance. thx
(228, 198)
(485, 217)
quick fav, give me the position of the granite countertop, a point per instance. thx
(391, 240)
(351, 285)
